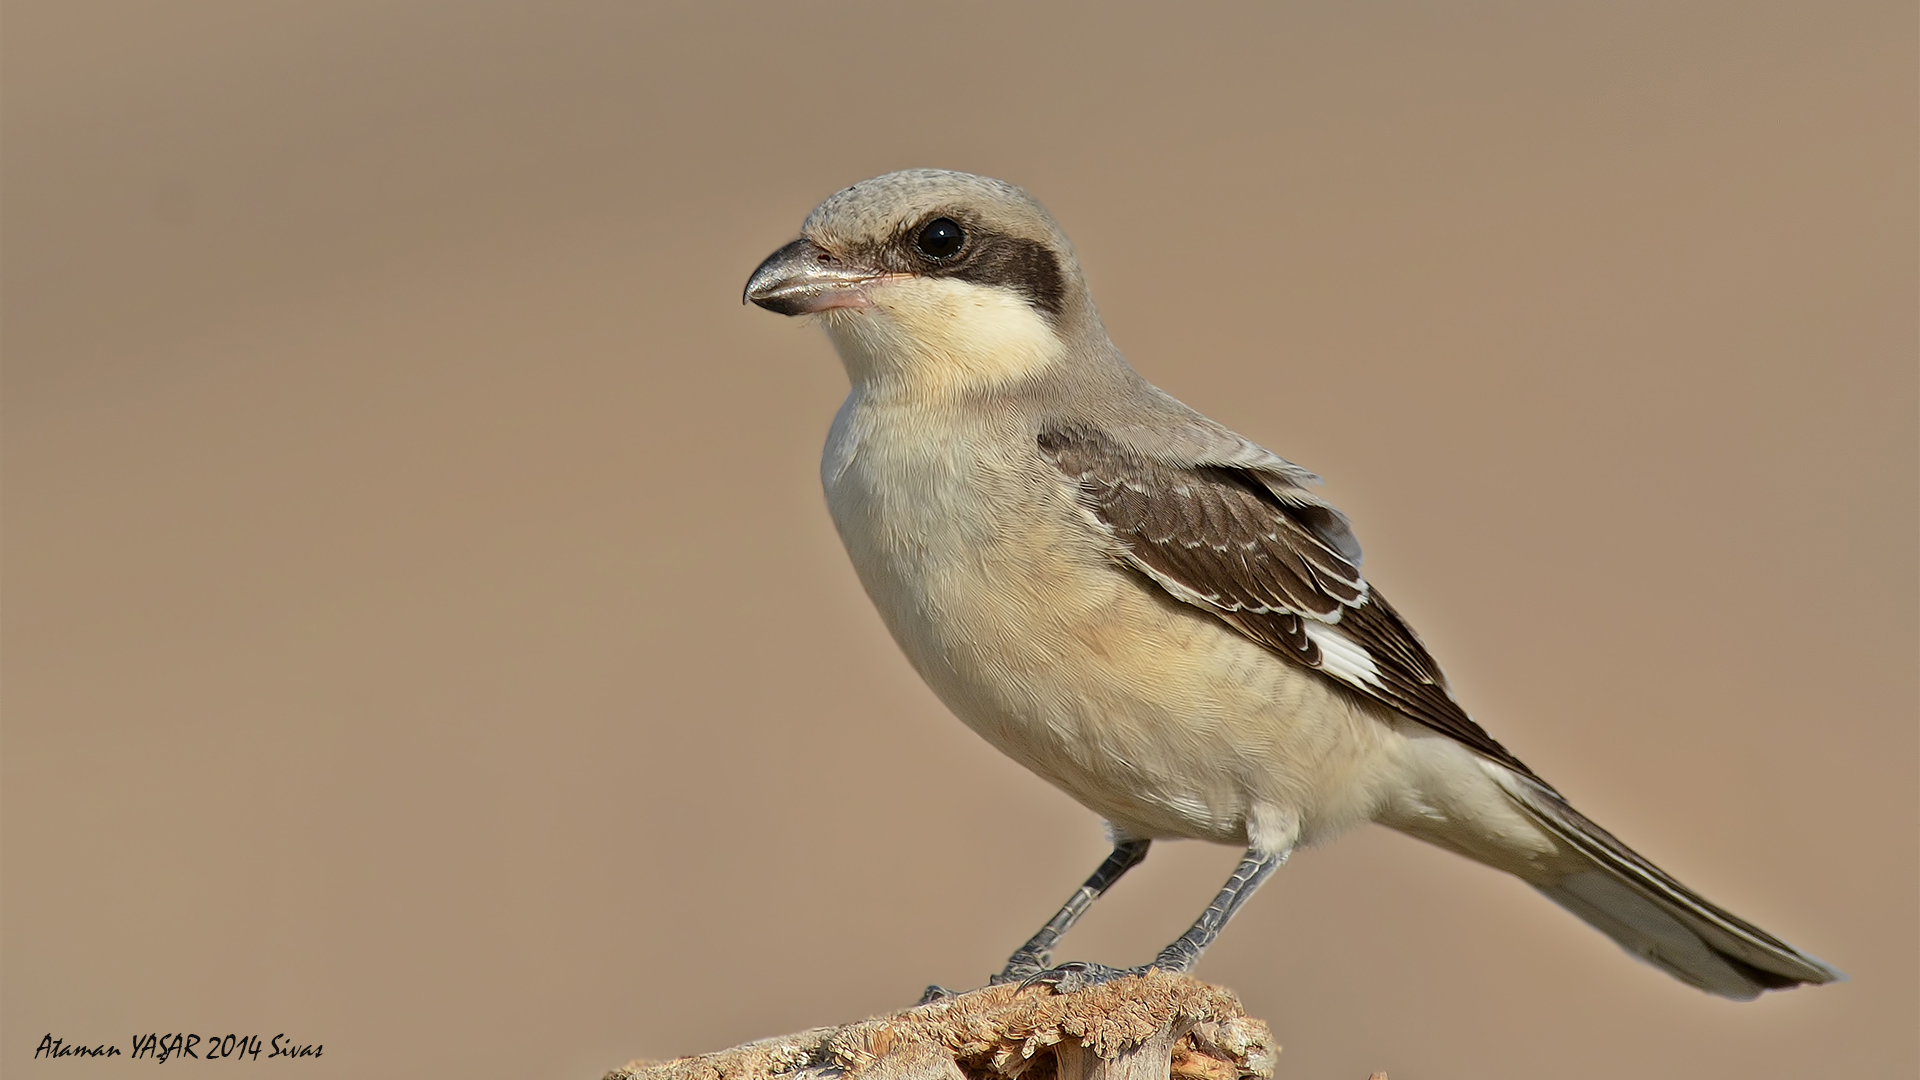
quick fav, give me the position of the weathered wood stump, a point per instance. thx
(1150, 1027)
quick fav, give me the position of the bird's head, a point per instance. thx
(935, 281)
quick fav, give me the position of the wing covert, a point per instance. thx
(1264, 556)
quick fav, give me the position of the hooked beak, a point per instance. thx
(802, 279)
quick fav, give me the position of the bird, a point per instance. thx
(1155, 614)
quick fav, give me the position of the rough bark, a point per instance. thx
(1151, 1027)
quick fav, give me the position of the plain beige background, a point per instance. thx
(423, 635)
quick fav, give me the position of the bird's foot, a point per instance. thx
(1074, 977)
(935, 992)
(1019, 970)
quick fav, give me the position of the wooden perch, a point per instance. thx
(1152, 1027)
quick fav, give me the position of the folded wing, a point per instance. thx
(1252, 546)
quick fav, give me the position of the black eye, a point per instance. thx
(942, 238)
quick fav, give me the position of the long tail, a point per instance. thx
(1655, 917)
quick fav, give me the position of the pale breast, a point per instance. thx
(958, 536)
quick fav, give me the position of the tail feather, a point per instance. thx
(1655, 917)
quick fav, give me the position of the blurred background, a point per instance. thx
(424, 636)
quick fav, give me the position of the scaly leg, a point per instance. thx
(1185, 950)
(1032, 958)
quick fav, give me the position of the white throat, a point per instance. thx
(938, 337)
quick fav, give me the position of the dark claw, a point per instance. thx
(1019, 973)
(935, 992)
(1071, 978)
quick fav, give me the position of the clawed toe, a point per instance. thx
(1074, 977)
(1016, 973)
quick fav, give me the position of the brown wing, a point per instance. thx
(1264, 562)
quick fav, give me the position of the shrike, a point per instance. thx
(1151, 612)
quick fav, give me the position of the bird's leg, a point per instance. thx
(1185, 951)
(1032, 958)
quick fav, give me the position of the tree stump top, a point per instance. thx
(1150, 1027)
